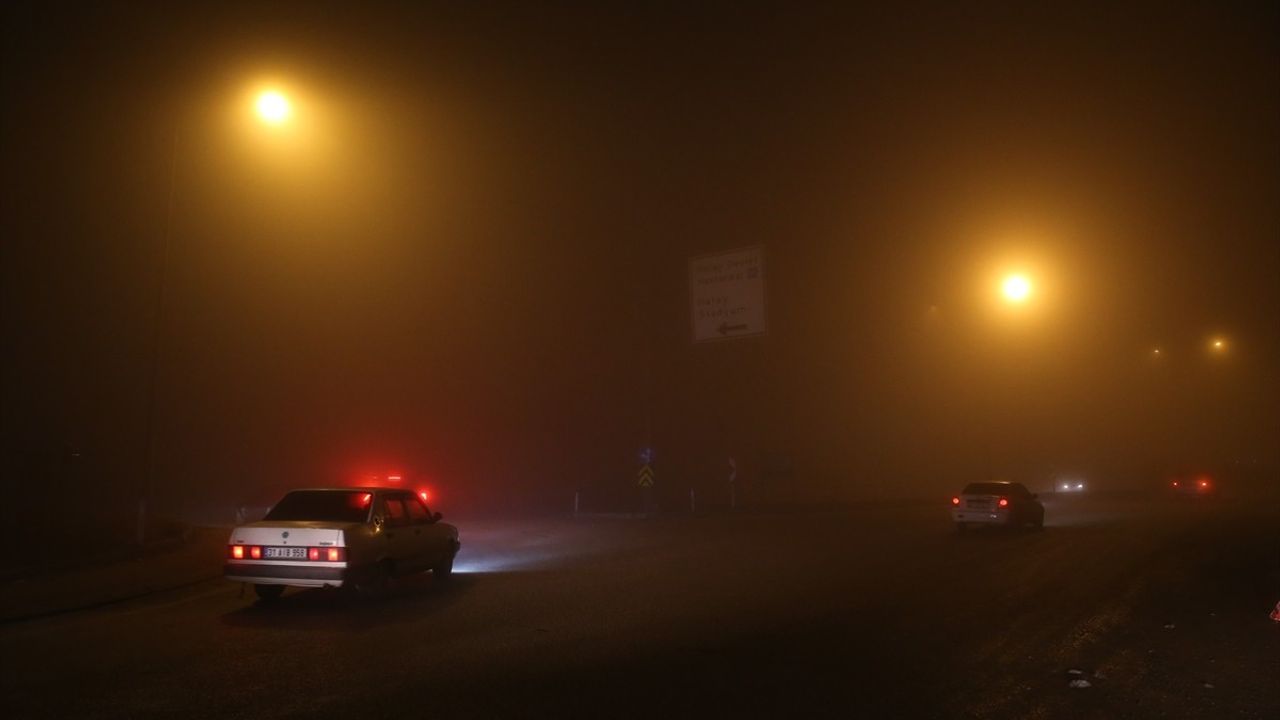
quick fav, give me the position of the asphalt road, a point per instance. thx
(879, 610)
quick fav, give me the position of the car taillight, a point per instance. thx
(1004, 502)
(236, 552)
(255, 552)
(1175, 483)
(333, 554)
(955, 501)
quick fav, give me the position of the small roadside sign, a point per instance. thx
(644, 478)
(726, 294)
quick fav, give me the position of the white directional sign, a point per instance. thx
(726, 294)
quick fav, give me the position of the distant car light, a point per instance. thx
(1004, 502)
(955, 501)
(1079, 486)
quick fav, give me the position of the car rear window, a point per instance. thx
(323, 506)
(994, 489)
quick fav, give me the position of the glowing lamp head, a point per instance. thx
(1004, 502)
(1016, 289)
(273, 107)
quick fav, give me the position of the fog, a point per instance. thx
(465, 260)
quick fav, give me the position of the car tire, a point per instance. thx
(268, 593)
(444, 570)
(373, 582)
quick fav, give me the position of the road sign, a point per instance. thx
(726, 294)
(644, 478)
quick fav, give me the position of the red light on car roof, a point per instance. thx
(955, 501)
(237, 552)
(1004, 502)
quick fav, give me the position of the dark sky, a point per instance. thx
(467, 259)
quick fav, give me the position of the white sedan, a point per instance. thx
(336, 537)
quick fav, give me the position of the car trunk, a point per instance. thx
(281, 533)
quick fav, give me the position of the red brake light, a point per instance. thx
(1004, 502)
(955, 501)
(255, 552)
(1175, 483)
(313, 553)
(1204, 483)
(237, 552)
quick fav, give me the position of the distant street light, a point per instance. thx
(1218, 345)
(1016, 289)
(273, 107)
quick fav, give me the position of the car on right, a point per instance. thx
(1194, 485)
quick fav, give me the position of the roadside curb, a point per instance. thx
(97, 604)
(192, 560)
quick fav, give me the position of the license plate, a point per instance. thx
(285, 553)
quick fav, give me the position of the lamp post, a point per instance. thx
(158, 322)
(273, 108)
(1016, 291)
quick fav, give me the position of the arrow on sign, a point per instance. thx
(644, 478)
(726, 328)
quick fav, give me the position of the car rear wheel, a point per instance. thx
(373, 582)
(268, 593)
(444, 570)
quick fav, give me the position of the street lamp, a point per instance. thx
(1218, 345)
(1016, 289)
(273, 107)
